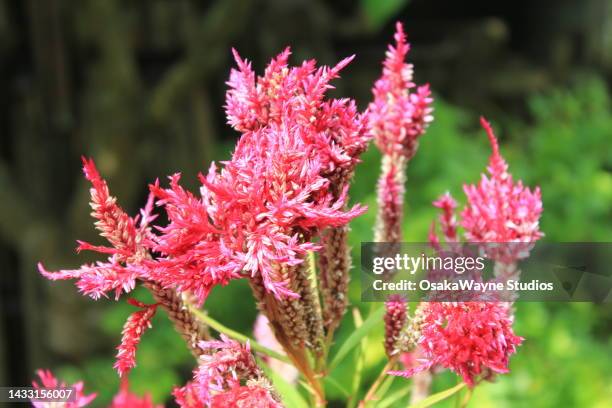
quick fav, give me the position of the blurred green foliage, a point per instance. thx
(565, 360)
(378, 12)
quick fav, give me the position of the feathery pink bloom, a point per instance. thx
(447, 218)
(133, 330)
(48, 380)
(125, 399)
(499, 210)
(472, 339)
(264, 336)
(398, 116)
(188, 396)
(129, 238)
(295, 97)
(225, 365)
(266, 203)
(395, 321)
(245, 396)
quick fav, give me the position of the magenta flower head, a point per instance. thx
(399, 114)
(125, 399)
(224, 368)
(448, 221)
(276, 193)
(48, 380)
(246, 396)
(397, 117)
(129, 240)
(473, 339)
(499, 210)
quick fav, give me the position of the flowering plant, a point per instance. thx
(277, 215)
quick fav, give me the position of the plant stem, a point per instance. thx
(372, 391)
(179, 312)
(238, 336)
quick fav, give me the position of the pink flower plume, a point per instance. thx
(129, 242)
(399, 114)
(125, 399)
(498, 209)
(266, 204)
(132, 332)
(222, 370)
(473, 339)
(48, 380)
(447, 218)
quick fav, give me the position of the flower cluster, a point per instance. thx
(227, 371)
(48, 380)
(265, 204)
(475, 338)
(284, 193)
(470, 338)
(500, 210)
(397, 116)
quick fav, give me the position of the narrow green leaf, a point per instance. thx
(384, 387)
(355, 338)
(432, 399)
(333, 382)
(359, 359)
(393, 398)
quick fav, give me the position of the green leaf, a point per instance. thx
(359, 359)
(333, 382)
(432, 399)
(355, 338)
(378, 12)
(393, 398)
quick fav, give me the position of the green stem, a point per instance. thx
(239, 336)
(372, 391)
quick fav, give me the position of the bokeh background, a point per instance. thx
(139, 85)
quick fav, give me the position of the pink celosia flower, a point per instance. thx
(133, 329)
(447, 218)
(397, 116)
(245, 397)
(129, 239)
(48, 380)
(125, 399)
(274, 195)
(264, 336)
(225, 365)
(295, 97)
(188, 396)
(395, 320)
(472, 339)
(500, 210)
